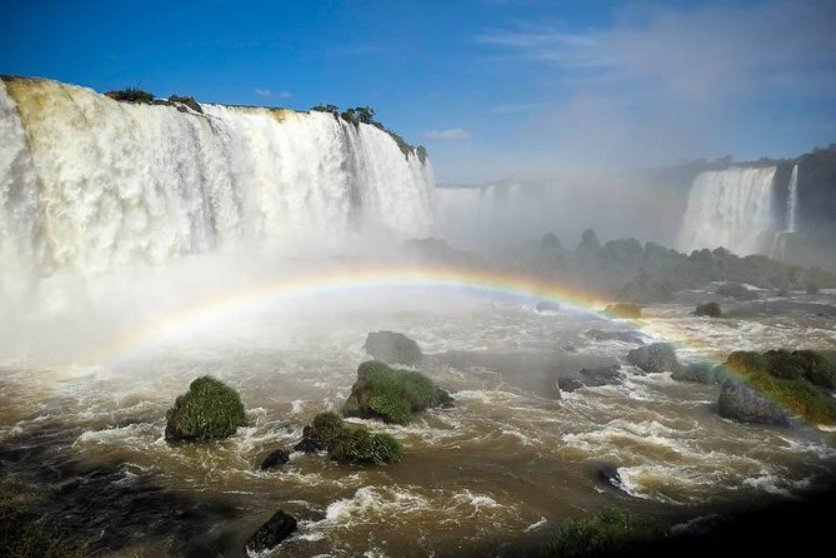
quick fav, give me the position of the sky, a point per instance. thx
(513, 89)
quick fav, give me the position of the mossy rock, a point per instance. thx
(736, 290)
(609, 532)
(209, 410)
(655, 358)
(391, 395)
(352, 444)
(392, 347)
(187, 101)
(131, 95)
(710, 309)
(628, 311)
(796, 383)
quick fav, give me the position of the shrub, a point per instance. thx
(608, 532)
(131, 95)
(209, 410)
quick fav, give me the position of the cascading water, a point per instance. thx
(88, 184)
(730, 208)
(792, 201)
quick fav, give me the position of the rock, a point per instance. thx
(697, 527)
(308, 445)
(446, 400)
(547, 306)
(710, 309)
(606, 376)
(701, 373)
(608, 474)
(187, 101)
(569, 384)
(271, 534)
(736, 290)
(391, 395)
(353, 444)
(391, 347)
(624, 336)
(627, 311)
(209, 410)
(658, 357)
(742, 403)
(276, 459)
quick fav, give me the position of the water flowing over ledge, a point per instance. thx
(89, 184)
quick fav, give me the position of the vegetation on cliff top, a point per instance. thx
(365, 115)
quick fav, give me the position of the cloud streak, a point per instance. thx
(268, 94)
(450, 134)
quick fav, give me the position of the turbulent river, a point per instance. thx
(506, 465)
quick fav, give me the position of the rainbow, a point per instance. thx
(336, 280)
(467, 280)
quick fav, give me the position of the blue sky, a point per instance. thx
(493, 88)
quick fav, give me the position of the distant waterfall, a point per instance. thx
(88, 184)
(792, 201)
(730, 208)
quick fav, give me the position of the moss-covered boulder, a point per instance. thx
(209, 410)
(702, 373)
(392, 395)
(350, 443)
(626, 311)
(392, 347)
(777, 386)
(736, 290)
(657, 357)
(710, 309)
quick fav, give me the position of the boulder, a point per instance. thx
(352, 444)
(608, 475)
(739, 401)
(271, 534)
(569, 384)
(606, 376)
(657, 357)
(209, 410)
(392, 395)
(701, 373)
(623, 336)
(276, 459)
(308, 445)
(392, 347)
(710, 309)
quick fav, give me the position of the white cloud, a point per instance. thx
(284, 94)
(263, 92)
(451, 134)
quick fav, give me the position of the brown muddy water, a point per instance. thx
(506, 465)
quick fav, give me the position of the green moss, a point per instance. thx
(358, 445)
(608, 532)
(791, 380)
(209, 410)
(352, 444)
(389, 394)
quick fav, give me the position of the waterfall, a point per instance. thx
(730, 208)
(792, 201)
(89, 184)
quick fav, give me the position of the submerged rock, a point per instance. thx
(736, 290)
(658, 357)
(392, 395)
(275, 459)
(608, 475)
(271, 534)
(307, 445)
(209, 410)
(742, 403)
(392, 347)
(624, 336)
(710, 309)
